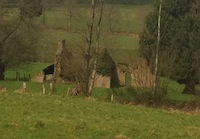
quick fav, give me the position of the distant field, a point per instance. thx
(32, 69)
(123, 48)
(127, 22)
(50, 116)
(59, 116)
(126, 18)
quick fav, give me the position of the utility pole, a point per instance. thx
(155, 89)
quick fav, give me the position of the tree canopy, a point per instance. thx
(30, 8)
(19, 40)
(178, 58)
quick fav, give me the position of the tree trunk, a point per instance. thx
(2, 70)
(70, 20)
(92, 79)
(189, 87)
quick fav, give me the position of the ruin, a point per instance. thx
(141, 75)
(122, 70)
(106, 71)
(38, 78)
(102, 81)
(62, 62)
(109, 74)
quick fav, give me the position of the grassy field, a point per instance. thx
(174, 89)
(32, 69)
(58, 117)
(127, 22)
(123, 48)
(125, 18)
(123, 44)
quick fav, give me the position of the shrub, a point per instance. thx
(191, 105)
(140, 96)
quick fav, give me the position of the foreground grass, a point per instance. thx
(51, 116)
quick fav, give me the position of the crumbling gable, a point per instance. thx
(62, 62)
(109, 74)
(106, 71)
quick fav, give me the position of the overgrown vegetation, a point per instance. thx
(179, 49)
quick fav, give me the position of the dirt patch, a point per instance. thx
(3, 88)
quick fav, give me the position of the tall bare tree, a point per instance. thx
(89, 48)
(91, 77)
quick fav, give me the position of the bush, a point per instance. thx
(122, 95)
(191, 105)
(140, 96)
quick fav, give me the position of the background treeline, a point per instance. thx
(15, 3)
(130, 1)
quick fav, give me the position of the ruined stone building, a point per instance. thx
(62, 62)
(109, 74)
(135, 74)
(106, 71)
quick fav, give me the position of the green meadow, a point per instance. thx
(127, 23)
(60, 116)
(52, 116)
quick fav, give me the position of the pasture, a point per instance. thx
(37, 115)
(127, 22)
(52, 116)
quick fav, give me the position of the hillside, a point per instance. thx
(50, 116)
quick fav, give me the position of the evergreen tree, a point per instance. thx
(179, 41)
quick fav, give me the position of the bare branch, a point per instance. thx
(10, 33)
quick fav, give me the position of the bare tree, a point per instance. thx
(96, 47)
(89, 49)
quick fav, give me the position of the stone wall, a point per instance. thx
(62, 61)
(58, 60)
(121, 76)
(38, 78)
(102, 81)
(122, 70)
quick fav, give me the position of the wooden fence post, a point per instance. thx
(68, 89)
(24, 87)
(43, 89)
(112, 98)
(52, 87)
